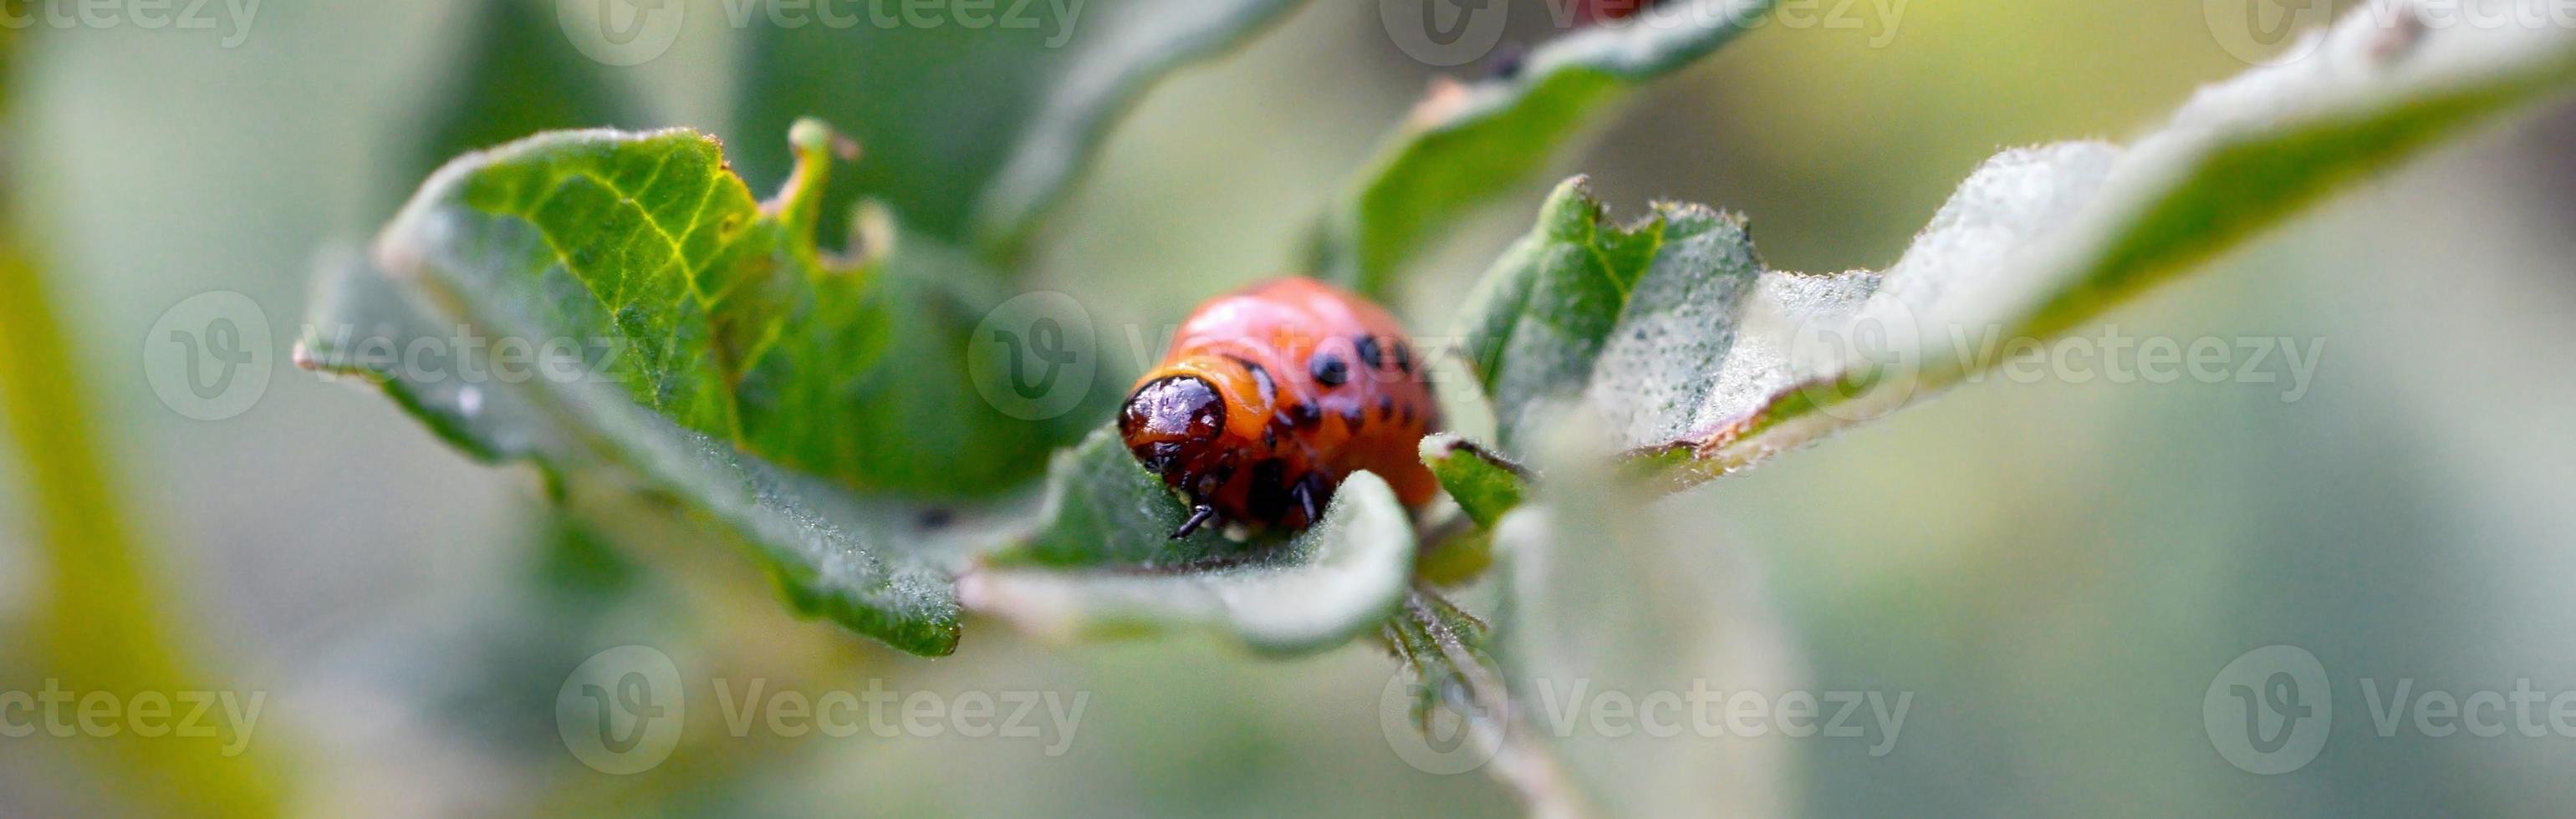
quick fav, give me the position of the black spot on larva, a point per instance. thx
(1306, 415)
(1408, 414)
(1386, 405)
(1404, 357)
(1370, 352)
(1353, 418)
(1266, 499)
(1329, 370)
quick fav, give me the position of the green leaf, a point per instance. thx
(974, 132)
(1447, 651)
(1450, 656)
(720, 313)
(358, 322)
(1464, 145)
(871, 376)
(1485, 484)
(651, 285)
(1591, 309)
(1100, 563)
(879, 567)
(1701, 361)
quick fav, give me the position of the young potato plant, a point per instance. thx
(812, 397)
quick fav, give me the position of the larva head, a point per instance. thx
(1173, 421)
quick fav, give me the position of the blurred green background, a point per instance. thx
(2056, 570)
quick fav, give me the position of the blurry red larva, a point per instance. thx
(1271, 395)
(1591, 11)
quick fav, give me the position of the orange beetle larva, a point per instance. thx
(1271, 395)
